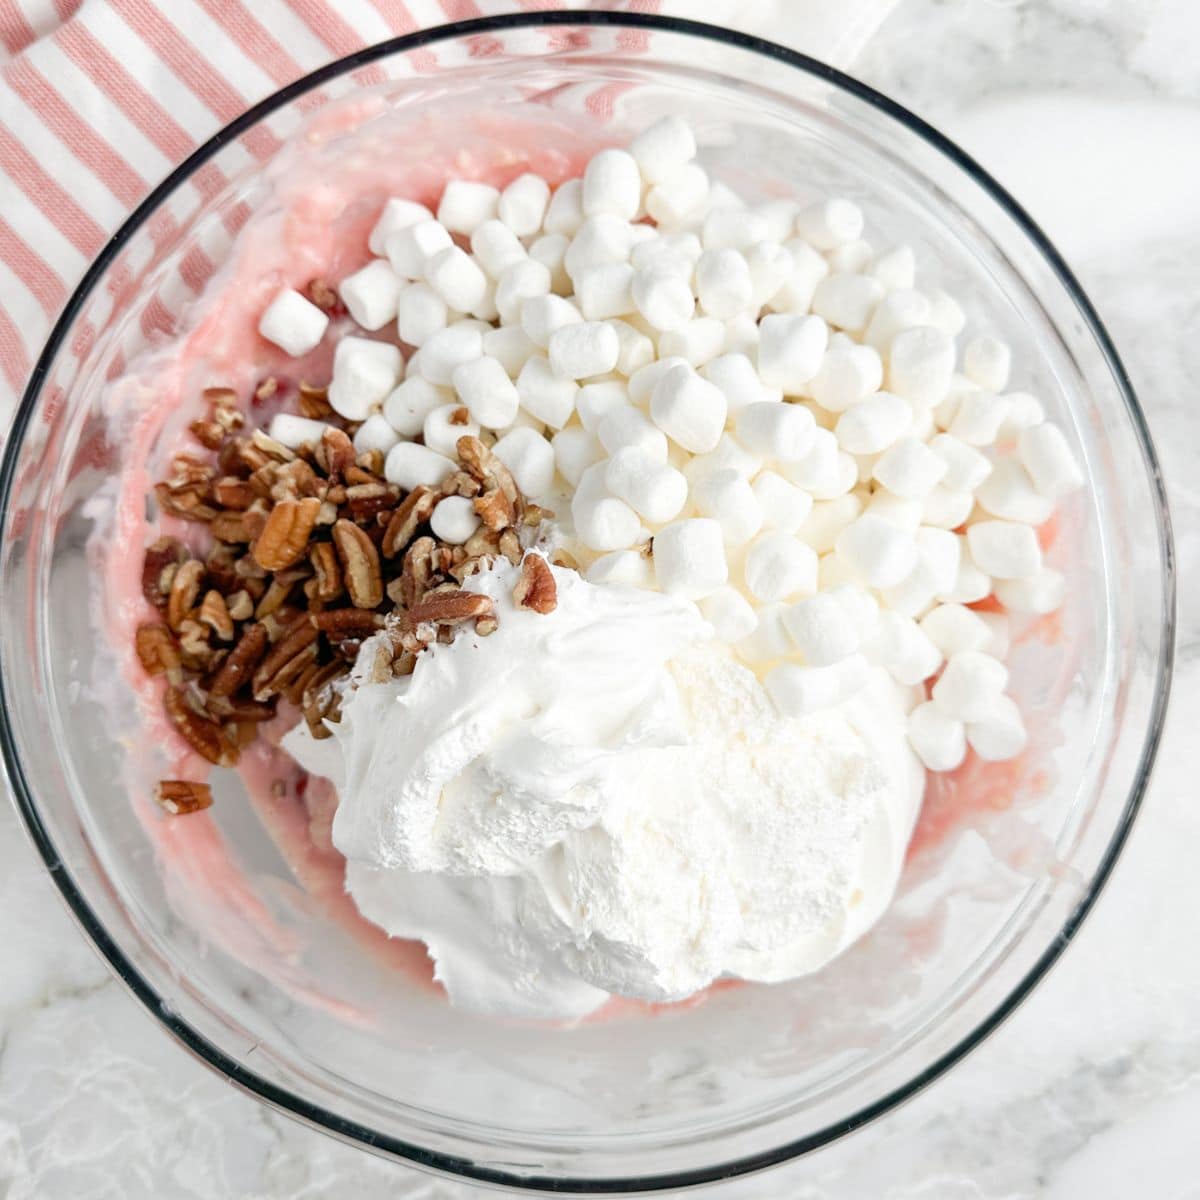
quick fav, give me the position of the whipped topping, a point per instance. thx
(602, 800)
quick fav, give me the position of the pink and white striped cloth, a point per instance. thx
(100, 99)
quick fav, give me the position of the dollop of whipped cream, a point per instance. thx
(601, 800)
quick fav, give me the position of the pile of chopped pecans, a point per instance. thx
(313, 552)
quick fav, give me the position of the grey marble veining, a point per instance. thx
(1093, 1087)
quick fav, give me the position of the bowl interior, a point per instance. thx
(273, 980)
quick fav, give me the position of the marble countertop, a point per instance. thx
(1093, 1087)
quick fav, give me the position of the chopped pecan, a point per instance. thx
(510, 546)
(220, 397)
(231, 527)
(158, 652)
(270, 447)
(360, 564)
(186, 502)
(495, 509)
(449, 608)
(485, 626)
(182, 796)
(220, 569)
(294, 480)
(335, 454)
(240, 665)
(461, 484)
(366, 499)
(286, 673)
(265, 390)
(228, 708)
(214, 613)
(164, 555)
(185, 589)
(459, 416)
(275, 596)
(347, 622)
(371, 461)
(536, 588)
(322, 295)
(239, 604)
(357, 474)
(285, 538)
(193, 640)
(418, 570)
(288, 657)
(208, 433)
(416, 508)
(327, 572)
(314, 402)
(563, 558)
(203, 735)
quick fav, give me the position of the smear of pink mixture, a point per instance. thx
(316, 227)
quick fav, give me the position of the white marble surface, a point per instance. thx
(1093, 1087)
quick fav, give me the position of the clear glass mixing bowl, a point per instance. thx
(311, 1021)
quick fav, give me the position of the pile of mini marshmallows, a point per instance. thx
(751, 389)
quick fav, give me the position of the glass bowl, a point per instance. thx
(277, 996)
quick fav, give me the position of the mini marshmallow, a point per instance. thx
(668, 254)
(444, 426)
(939, 740)
(375, 433)
(1009, 493)
(945, 509)
(601, 239)
(541, 316)
(769, 639)
(584, 349)
(1044, 451)
(899, 644)
(454, 520)
(970, 685)
(612, 184)
(782, 505)
(776, 430)
(700, 340)
(741, 335)
(410, 465)
(732, 228)
(596, 400)
(603, 292)
(550, 250)
(799, 691)
(663, 147)
(564, 214)
(847, 301)
(830, 223)
(921, 365)
(729, 454)
(808, 269)
(631, 427)
(779, 566)
(730, 614)
(293, 432)
(939, 553)
(447, 349)
(873, 424)
(420, 313)
(630, 567)
(678, 196)
(657, 493)
(848, 373)
(910, 469)
(828, 519)
(945, 313)
(689, 558)
(735, 375)
(397, 214)
(574, 451)
(897, 311)
(530, 458)
(978, 418)
(825, 471)
(466, 204)
(999, 734)
(852, 258)
(457, 278)
(522, 205)
(410, 248)
(954, 628)
(664, 300)
(371, 295)
(966, 468)
(780, 217)
(635, 349)
(770, 266)
(728, 499)
(895, 268)
(881, 553)
(1040, 593)
(1024, 412)
(496, 247)
(522, 281)
(823, 628)
(987, 362)
(603, 522)
(364, 372)
(971, 584)
(1005, 549)
(545, 394)
(723, 284)
(293, 323)
(407, 406)
(688, 409)
(484, 387)
(998, 634)
(790, 350)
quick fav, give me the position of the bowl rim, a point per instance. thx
(353, 1132)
